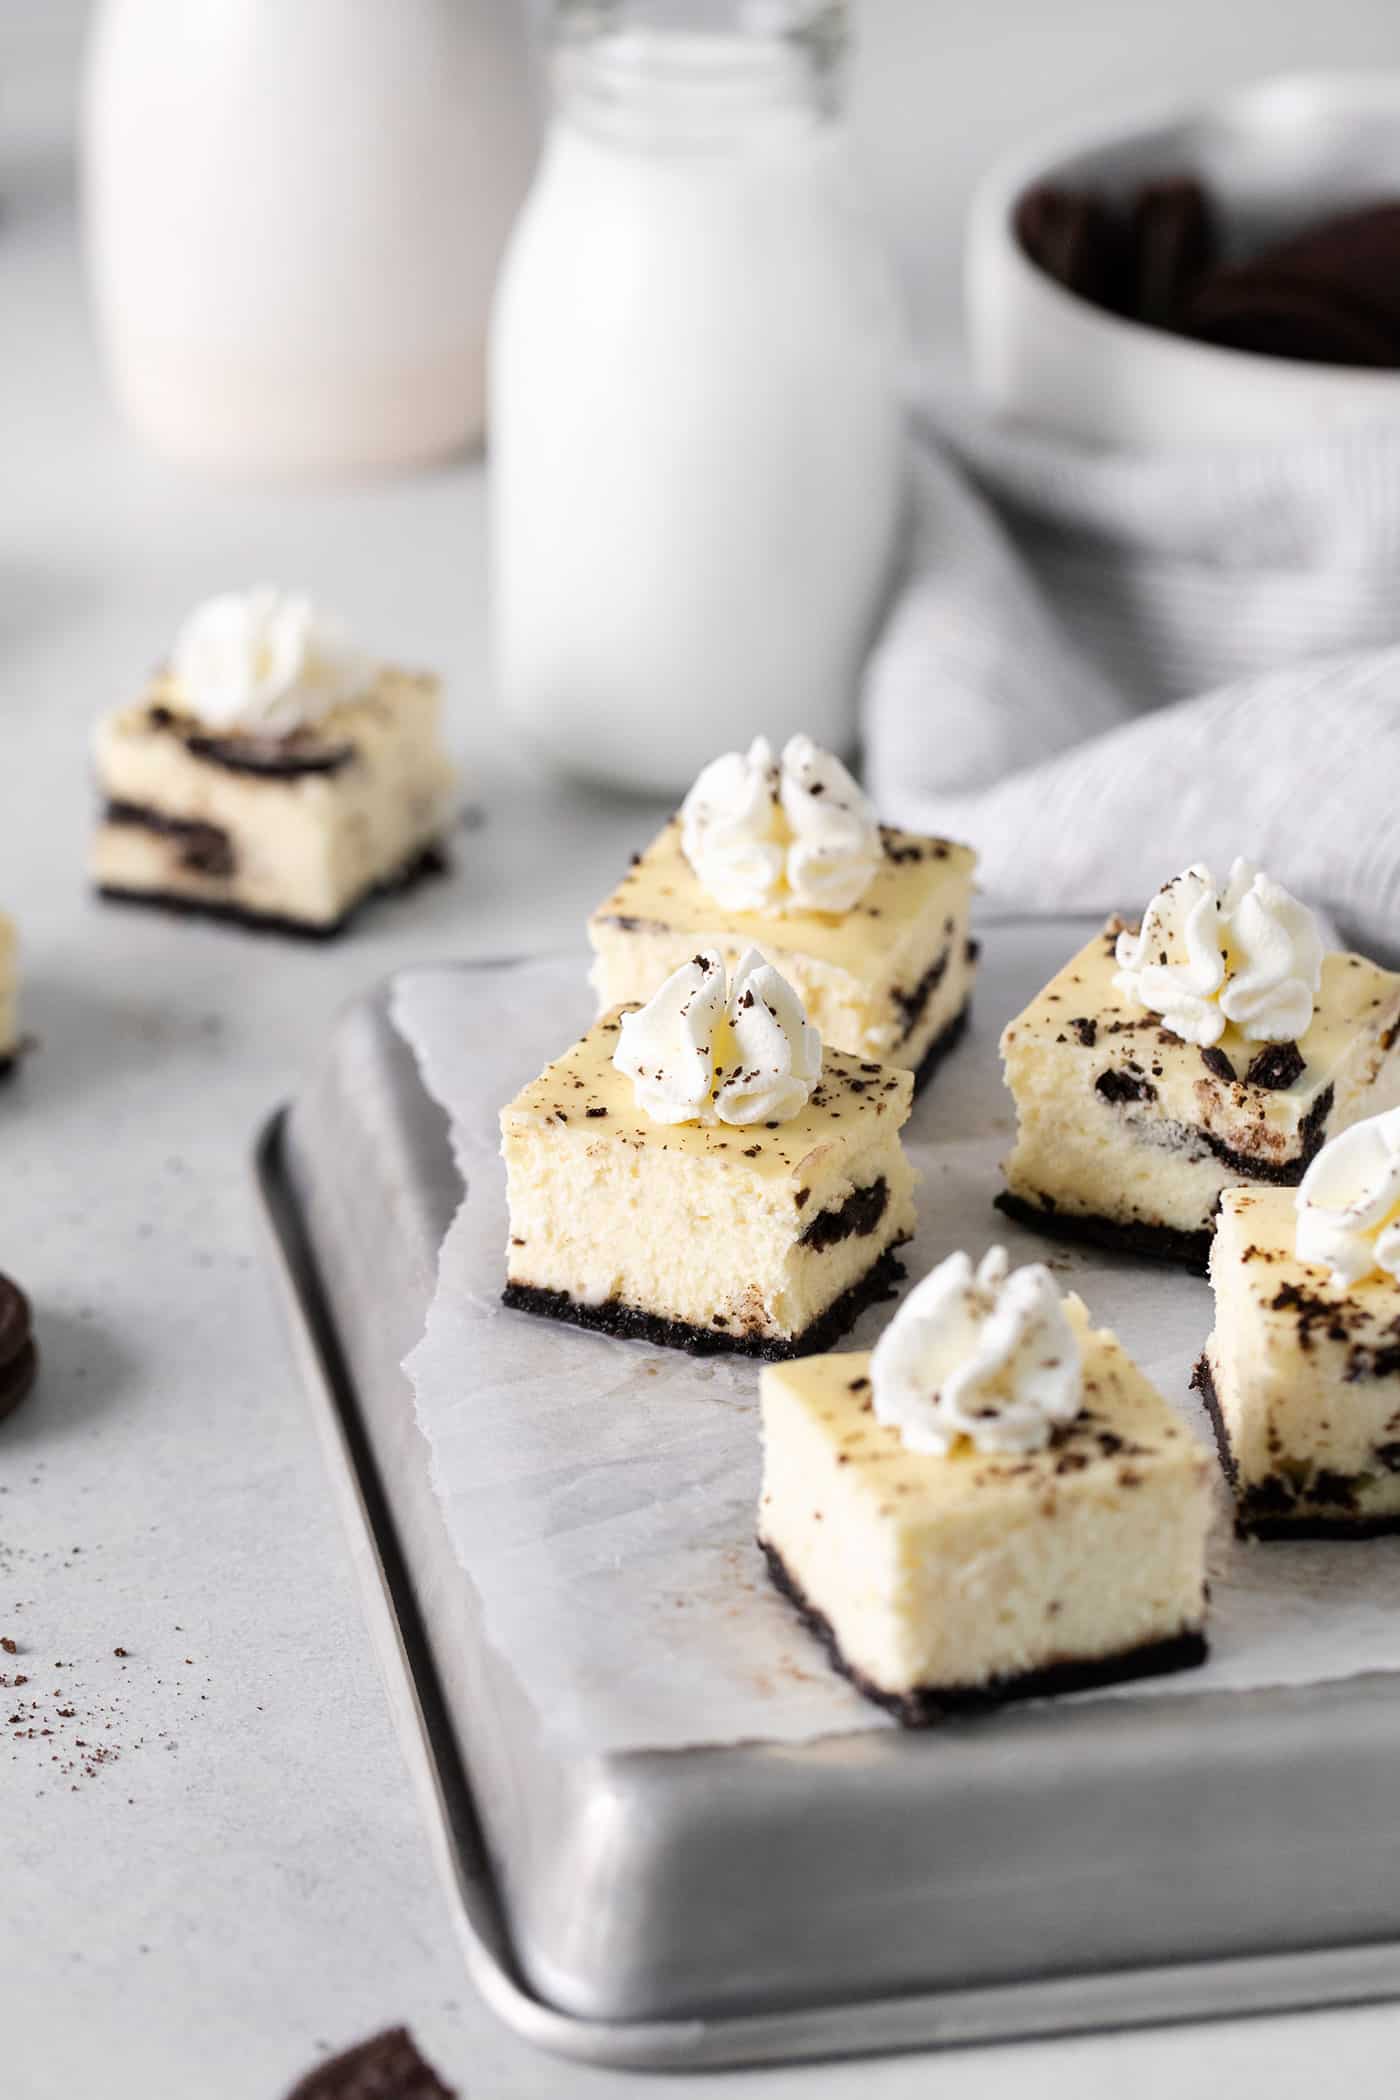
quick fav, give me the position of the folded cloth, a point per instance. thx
(1101, 666)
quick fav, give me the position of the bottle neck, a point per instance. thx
(685, 75)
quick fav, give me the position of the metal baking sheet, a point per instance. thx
(1028, 1872)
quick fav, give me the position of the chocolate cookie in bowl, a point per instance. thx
(1325, 295)
(1145, 263)
(1220, 275)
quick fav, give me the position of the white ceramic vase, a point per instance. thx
(294, 211)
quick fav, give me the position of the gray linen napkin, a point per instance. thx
(1101, 666)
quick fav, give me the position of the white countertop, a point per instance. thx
(239, 1880)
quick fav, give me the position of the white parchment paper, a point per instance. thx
(601, 1494)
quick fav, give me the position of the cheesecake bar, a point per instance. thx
(1301, 1374)
(978, 1562)
(9, 997)
(1128, 1131)
(700, 1172)
(283, 797)
(870, 925)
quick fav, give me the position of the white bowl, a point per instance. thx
(1277, 157)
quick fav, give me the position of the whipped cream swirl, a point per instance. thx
(983, 1353)
(264, 661)
(1348, 1202)
(1205, 959)
(703, 1051)
(795, 834)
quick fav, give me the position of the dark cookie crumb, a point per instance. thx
(1276, 1066)
(857, 1217)
(1119, 1087)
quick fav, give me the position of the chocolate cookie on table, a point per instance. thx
(19, 1355)
(386, 2067)
(9, 997)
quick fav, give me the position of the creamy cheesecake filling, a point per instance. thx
(972, 1570)
(298, 832)
(885, 980)
(1120, 1121)
(691, 1241)
(1302, 1374)
(749, 1234)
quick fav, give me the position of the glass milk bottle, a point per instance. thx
(696, 432)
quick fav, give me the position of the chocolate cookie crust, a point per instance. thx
(1189, 1250)
(943, 1044)
(429, 861)
(912, 1004)
(927, 1705)
(1274, 1508)
(633, 1325)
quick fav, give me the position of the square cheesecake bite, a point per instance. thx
(993, 1505)
(9, 996)
(868, 924)
(271, 774)
(1301, 1374)
(1216, 1045)
(699, 1172)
